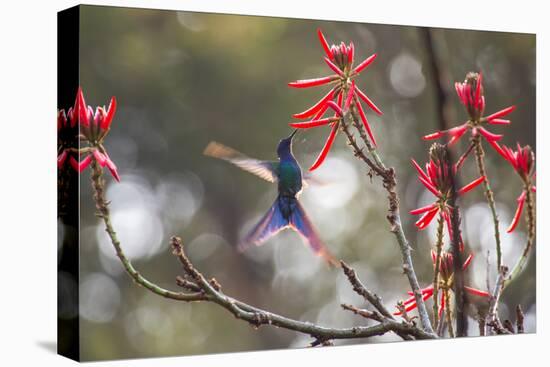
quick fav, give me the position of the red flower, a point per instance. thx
(446, 272)
(438, 178)
(470, 93)
(66, 134)
(523, 161)
(340, 59)
(93, 129)
(93, 126)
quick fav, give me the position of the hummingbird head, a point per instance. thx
(285, 145)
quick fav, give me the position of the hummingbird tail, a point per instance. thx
(287, 212)
(271, 223)
(300, 222)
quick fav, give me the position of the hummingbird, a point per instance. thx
(286, 212)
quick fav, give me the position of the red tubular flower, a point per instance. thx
(306, 83)
(523, 161)
(100, 158)
(112, 167)
(517, 214)
(316, 107)
(325, 45)
(340, 59)
(446, 275)
(333, 131)
(81, 165)
(476, 292)
(471, 185)
(410, 303)
(94, 126)
(470, 93)
(313, 123)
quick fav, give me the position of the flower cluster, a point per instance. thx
(94, 126)
(343, 95)
(439, 173)
(523, 161)
(446, 280)
(438, 179)
(66, 135)
(470, 93)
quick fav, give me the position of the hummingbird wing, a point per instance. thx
(263, 169)
(300, 222)
(311, 179)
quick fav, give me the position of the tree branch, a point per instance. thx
(437, 266)
(360, 289)
(492, 320)
(389, 182)
(480, 154)
(209, 290)
(458, 273)
(257, 317)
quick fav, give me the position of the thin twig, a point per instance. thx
(520, 317)
(360, 128)
(448, 313)
(360, 289)
(507, 324)
(481, 324)
(492, 320)
(357, 151)
(464, 155)
(488, 271)
(441, 326)
(373, 315)
(479, 153)
(437, 266)
(497, 327)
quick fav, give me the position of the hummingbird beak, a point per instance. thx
(292, 135)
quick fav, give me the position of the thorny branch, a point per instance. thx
(198, 288)
(389, 182)
(373, 299)
(437, 266)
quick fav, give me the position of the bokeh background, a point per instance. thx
(183, 79)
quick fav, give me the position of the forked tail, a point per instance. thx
(287, 212)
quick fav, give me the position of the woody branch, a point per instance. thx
(198, 288)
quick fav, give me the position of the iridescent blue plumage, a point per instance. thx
(286, 211)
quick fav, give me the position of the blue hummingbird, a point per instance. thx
(286, 211)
